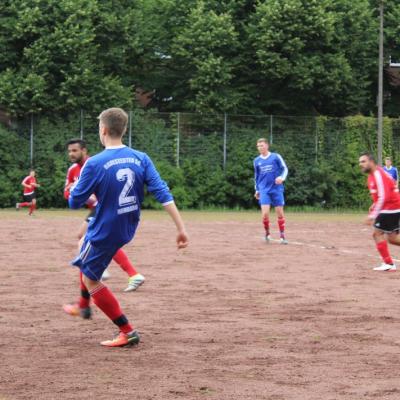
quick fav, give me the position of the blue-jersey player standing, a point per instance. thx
(270, 171)
(117, 177)
(392, 171)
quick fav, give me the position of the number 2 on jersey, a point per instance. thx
(126, 174)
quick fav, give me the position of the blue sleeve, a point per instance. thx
(255, 176)
(155, 185)
(84, 188)
(284, 169)
(396, 175)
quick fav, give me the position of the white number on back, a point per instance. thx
(126, 174)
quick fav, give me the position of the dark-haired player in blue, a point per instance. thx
(117, 177)
(270, 171)
(392, 171)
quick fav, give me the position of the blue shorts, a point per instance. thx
(274, 199)
(93, 260)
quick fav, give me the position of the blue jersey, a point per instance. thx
(392, 171)
(266, 170)
(117, 177)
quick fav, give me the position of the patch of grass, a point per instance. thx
(252, 216)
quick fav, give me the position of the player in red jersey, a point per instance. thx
(384, 214)
(30, 184)
(77, 153)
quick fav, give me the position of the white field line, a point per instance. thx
(317, 246)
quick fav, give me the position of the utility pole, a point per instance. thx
(380, 88)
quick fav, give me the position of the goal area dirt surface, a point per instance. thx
(229, 318)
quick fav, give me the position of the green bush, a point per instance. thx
(321, 154)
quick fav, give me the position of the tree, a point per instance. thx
(304, 52)
(55, 59)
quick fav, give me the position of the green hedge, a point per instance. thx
(321, 154)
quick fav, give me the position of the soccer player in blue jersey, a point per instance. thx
(270, 171)
(392, 171)
(117, 177)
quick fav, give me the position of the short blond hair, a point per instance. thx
(116, 120)
(262, 140)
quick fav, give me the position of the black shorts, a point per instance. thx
(29, 197)
(388, 222)
(90, 215)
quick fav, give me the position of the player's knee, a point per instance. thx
(393, 238)
(89, 283)
(377, 234)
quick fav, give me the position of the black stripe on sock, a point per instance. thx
(121, 321)
(85, 294)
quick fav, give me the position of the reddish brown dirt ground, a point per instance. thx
(229, 318)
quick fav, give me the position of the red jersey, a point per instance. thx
(384, 193)
(28, 181)
(73, 174)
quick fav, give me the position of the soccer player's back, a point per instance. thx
(116, 176)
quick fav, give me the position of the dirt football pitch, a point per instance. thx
(231, 317)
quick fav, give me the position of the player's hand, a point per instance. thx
(182, 240)
(279, 180)
(369, 221)
(257, 195)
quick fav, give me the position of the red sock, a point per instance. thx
(25, 204)
(106, 301)
(281, 224)
(122, 260)
(84, 299)
(384, 252)
(266, 225)
(32, 208)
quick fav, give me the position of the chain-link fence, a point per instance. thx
(321, 152)
(176, 137)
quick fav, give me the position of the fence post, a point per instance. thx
(130, 130)
(31, 140)
(178, 138)
(316, 139)
(81, 124)
(225, 138)
(271, 129)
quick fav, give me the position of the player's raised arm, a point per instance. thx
(84, 188)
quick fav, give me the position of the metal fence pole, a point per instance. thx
(130, 129)
(178, 139)
(380, 86)
(81, 117)
(225, 138)
(316, 139)
(31, 140)
(271, 129)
